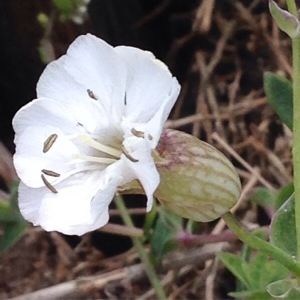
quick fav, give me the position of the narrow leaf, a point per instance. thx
(237, 266)
(12, 233)
(279, 93)
(283, 228)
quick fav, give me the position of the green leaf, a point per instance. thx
(237, 266)
(12, 233)
(286, 21)
(284, 289)
(14, 196)
(9, 209)
(165, 232)
(254, 275)
(7, 214)
(11, 220)
(264, 197)
(251, 295)
(279, 92)
(272, 271)
(283, 228)
(284, 194)
(66, 7)
(150, 219)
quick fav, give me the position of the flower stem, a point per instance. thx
(261, 245)
(296, 124)
(152, 276)
(291, 4)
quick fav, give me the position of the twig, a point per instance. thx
(82, 286)
(153, 14)
(203, 17)
(251, 169)
(209, 282)
(239, 109)
(77, 287)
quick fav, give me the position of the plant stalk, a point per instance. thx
(261, 245)
(152, 276)
(296, 124)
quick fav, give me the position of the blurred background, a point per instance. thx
(218, 50)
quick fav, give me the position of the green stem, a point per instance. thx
(292, 8)
(296, 124)
(261, 245)
(153, 278)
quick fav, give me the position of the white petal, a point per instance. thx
(144, 169)
(155, 125)
(44, 112)
(95, 65)
(81, 204)
(56, 83)
(30, 159)
(149, 85)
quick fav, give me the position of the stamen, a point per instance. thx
(137, 133)
(150, 137)
(91, 94)
(50, 173)
(101, 160)
(125, 99)
(126, 153)
(48, 185)
(49, 142)
(96, 145)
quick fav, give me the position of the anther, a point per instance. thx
(150, 137)
(137, 133)
(48, 185)
(126, 153)
(91, 94)
(49, 142)
(125, 99)
(50, 173)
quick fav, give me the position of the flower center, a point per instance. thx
(88, 141)
(109, 155)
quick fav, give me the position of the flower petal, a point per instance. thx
(44, 112)
(144, 168)
(155, 125)
(57, 84)
(93, 63)
(149, 85)
(78, 207)
(30, 160)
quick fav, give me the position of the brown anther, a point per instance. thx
(91, 94)
(48, 185)
(49, 142)
(137, 133)
(50, 173)
(125, 152)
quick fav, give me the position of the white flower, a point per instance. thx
(98, 115)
